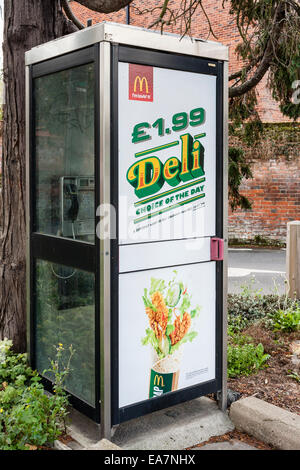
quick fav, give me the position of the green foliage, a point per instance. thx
(238, 169)
(245, 123)
(286, 76)
(245, 359)
(250, 306)
(277, 312)
(238, 339)
(29, 417)
(285, 319)
(257, 240)
(294, 375)
(275, 23)
(244, 119)
(237, 323)
(13, 366)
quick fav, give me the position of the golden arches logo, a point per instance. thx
(141, 81)
(159, 380)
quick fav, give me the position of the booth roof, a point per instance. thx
(127, 35)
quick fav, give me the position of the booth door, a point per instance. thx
(170, 203)
(64, 175)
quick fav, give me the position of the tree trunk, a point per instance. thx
(27, 23)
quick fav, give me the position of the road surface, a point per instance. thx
(257, 269)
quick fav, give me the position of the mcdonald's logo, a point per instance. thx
(140, 82)
(159, 380)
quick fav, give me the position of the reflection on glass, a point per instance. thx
(64, 153)
(65, 312)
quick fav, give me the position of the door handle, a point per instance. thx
(216, 249)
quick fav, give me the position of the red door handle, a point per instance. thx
(216, 249)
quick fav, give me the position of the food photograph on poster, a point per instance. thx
(167, 331)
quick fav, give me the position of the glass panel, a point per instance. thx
(65, 313)
(64, 150)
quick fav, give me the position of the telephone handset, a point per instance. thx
(76, 210)
(72, 193)
(77, 218)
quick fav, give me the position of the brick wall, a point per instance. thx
(223, 25)
(275, 187)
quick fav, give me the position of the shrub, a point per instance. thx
(29, 417)
(237, 338)
(249, 307)
(285, 320)
(245, 359)
(12, 365)
(237, 323)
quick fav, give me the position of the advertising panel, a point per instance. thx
(166, 330)
(167, 201)
(167, 154)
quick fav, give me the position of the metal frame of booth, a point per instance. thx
(105, 45)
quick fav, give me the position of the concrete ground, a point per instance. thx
(266, 422)
(226, 445)
(251, 424)
(256, 268)
(176, 428)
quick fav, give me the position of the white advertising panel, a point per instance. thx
(167, 214)
(166, 330)
(167, 154)
(165, 253)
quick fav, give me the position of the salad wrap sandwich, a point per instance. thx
(170, 314)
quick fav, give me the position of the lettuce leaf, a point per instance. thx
(157, 285)
(151, 339)
(185, 305)
(148, 302)
(195, 312)
(188, 337)
(170, 328)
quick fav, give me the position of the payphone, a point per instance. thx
(76, 197)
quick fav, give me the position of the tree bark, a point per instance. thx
(105, 6)
(27, 23)
(69, 13)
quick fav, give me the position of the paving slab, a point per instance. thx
(104, 444)
(58, 445)
(175, 428)
(267, 422)
(226, 445)
(85, 431)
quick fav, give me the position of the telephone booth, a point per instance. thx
(126, 218)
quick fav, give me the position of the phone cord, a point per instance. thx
(70, 275)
